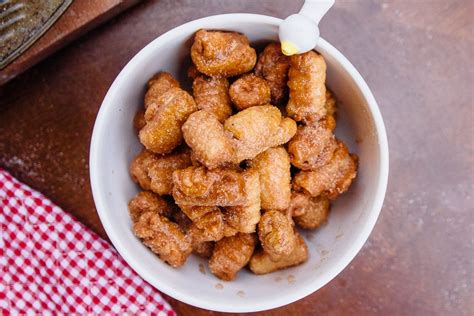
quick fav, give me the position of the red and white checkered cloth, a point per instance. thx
(52, 264)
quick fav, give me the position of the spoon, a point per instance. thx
(299, 33)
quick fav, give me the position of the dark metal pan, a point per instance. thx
(22, 22)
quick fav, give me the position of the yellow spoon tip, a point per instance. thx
(288, 48)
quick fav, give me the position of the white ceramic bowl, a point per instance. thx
(115, 143)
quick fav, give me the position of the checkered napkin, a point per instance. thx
(52, 264)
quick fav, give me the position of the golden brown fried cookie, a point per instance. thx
(209, 227)
(273, 167)
(258, 128)
(154, 172)
(261, 262)
(212, 95)
(273, 66)
(309, 212)
(198, 214)
(139, 169)
(161, 172)
(162, 132)
(163, 237)
(249, 90)
(222, 54)
(204, 249)
(315, 215)
(157, 85)
(330, 180)
(299, 202)
(276, 234)
(312, 146)
(198, 186)
(211, 145)
(231, 254)
(147, 201)
(204, 216)
(244, 217)
(306, 80)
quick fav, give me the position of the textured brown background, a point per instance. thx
(417, 58)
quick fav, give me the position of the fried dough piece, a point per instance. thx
(244, 218)
(162, 132)
(306, 79)
(330, 180)
(212, 95)
(161, 172)
(273, 167)
(222, 54)
(273, 66)
(310, 212)
(154, 172)
(249, 90)
(316, 214)
(157, 85)
(164, 238)
(299, 202)
(195, 235)
(204, 249)
(209, 227)
(312, 146)
(197, 186)
(258, 128)
(261, 263)
(146, 201)
(204, 230)
(231, 254)
(206, 136)
(276, 234)
(195, 213)
(139, 169)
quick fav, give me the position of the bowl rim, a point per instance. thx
(290, 296)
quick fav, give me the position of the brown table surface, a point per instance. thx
(417, 58)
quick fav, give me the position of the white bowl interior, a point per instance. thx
(332, 247)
